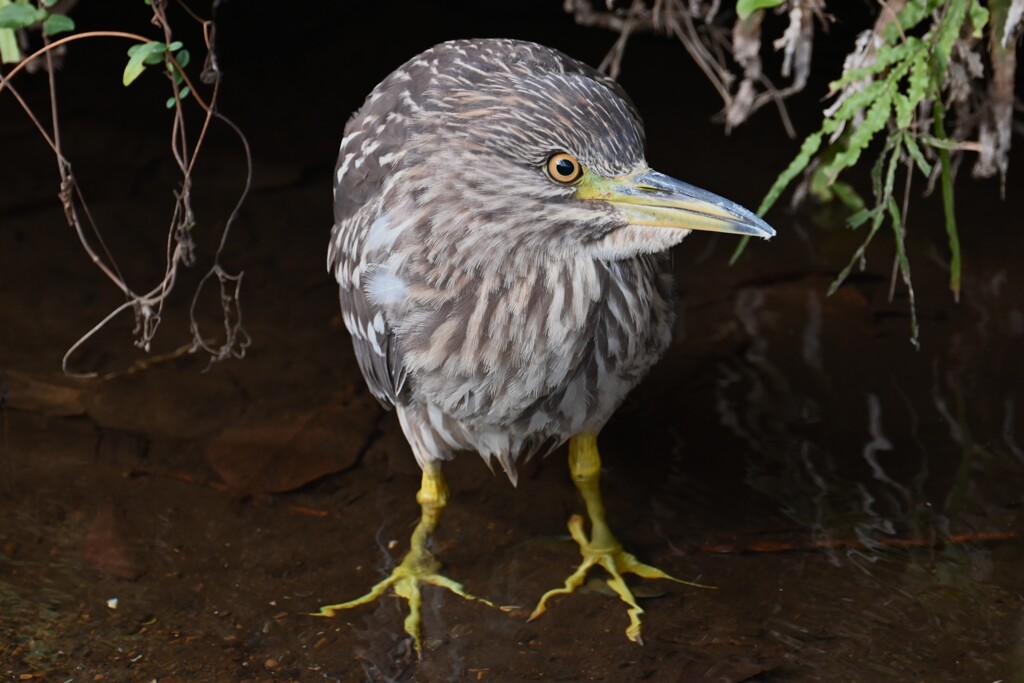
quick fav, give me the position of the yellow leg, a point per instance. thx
(419, 565)
(602, 548)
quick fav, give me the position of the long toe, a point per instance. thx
(407, 580)
(616, 562)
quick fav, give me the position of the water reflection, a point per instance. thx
(902, 467)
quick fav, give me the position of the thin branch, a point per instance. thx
(179, 250)
(70, 39)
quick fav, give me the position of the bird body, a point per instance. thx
(501, 250)
(493, 324)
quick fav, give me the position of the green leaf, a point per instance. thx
(861, 217)
(946, 178)
(153, 52)
(807, 150)
(904, 265)
(133, 69)
(940, 143)
(738, 251)
(909, 17)
(875, 119)
(182, 59)
(878, 166)
(848, 196)
(139, 57)
(919, 81)
(20, 15)
(895, 142)
(876, 216)
(818, 186)
(903, 110)
(915, 153)
(744, 8)
(979, 18)
(182, 94)
(10, 53)
(151, 46)
(58, 23)
(49, 3)
(887, 55)
(852, 105)
(948, 32)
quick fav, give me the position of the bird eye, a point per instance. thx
(564, 168)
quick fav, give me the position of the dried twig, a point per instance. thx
(180, 248)
(715, 49)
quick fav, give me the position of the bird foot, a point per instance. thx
(609, 555)
(417, 568)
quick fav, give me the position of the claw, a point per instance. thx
(419, 566)
(602, 548)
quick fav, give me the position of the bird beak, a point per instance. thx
(660, 201)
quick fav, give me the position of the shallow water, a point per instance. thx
(855, 503)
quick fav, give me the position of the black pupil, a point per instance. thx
(565, 168)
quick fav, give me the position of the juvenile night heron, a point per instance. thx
(501, 247)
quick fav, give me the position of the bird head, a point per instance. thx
(507, 148)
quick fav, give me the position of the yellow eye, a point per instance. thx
(564, 168)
